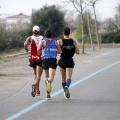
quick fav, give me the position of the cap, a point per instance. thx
(36, 29)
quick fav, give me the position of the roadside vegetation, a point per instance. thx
(83, 27)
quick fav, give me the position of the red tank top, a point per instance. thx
(33, 47)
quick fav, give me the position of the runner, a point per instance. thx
(35, 60)
(69, 48)
(50, 49)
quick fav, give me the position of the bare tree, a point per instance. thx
(88, 18)
(93, 3)
(117, 16)
(70, 20)
(79, 6)
(109, 25)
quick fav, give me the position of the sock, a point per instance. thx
(63, 85)
(68, 82)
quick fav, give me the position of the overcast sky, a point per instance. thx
(106, 8)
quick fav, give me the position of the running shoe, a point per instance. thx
(48, 97)
(66, 92)
(37, 92)
(33, 93)
(48, 86)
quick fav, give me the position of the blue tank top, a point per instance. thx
(49, 51)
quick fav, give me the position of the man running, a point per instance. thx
(69, 48)
(35, 60)
(50, 48)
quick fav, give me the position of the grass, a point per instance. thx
(3, 74)
(12, 51)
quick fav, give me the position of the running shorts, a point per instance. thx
(49, 63)
(35, 63)
(66, 63)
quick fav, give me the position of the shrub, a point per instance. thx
(11, 38)
(111, 37)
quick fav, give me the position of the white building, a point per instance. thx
(13, 19)
(19, 18)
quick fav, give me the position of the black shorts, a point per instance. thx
(35, 63)
(49, 63)
(66, 63)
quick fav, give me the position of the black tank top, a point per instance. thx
(68, 48)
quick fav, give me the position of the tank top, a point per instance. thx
(49, 51)
(68, 48)
(33, 47)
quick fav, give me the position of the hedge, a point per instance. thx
(111, 37)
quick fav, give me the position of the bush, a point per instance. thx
(111, 37)
(11, 38)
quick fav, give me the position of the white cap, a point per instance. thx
(36, 29)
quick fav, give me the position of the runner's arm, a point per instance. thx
(59, 51)
(26, 43)
(76, 47)
(39, 48)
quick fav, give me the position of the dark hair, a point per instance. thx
(35, 32)
(48, 33)
(66, 30)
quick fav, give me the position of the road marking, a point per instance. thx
(58, 92)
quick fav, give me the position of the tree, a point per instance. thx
(78, 29)
(118, 9)
(49, 17)
(93, 3)
(78, 5)
(109, 25)
(88, 18)
(117, 17)
(71, 21)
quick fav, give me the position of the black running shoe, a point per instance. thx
(33, 93)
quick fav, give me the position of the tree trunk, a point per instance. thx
(82, 34)
(96, 27)
(82, 21)
(92, 46)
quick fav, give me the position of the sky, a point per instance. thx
(105, 8)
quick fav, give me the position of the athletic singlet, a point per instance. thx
(68, 48)
(49, 51)
(33, 47)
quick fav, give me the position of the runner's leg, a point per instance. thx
(63, 74)
(51, 74)
(69, 72)
(34, 70)
(33, 93)
(47, 81)
(38, 76)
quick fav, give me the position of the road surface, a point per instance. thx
(95, 90)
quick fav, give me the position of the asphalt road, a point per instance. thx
(95, 90)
